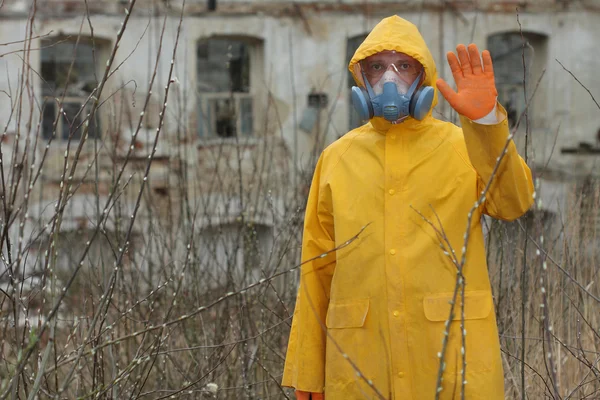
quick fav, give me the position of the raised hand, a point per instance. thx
(476, 90)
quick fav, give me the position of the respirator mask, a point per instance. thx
(394, 94)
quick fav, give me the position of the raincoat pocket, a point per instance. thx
(348, 339)
(481, 337)
(347, 314)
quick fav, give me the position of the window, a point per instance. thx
(58, 54)
(232, 254)
(77, 228)
(351, 46)
(507, 54)
(226, 69)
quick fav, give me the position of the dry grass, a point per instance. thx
(572, 244)
(147, 275)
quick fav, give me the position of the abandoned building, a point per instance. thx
(146, 143)
(259, 88)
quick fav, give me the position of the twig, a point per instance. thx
(524, 276)
(26, 40)
(578, 81)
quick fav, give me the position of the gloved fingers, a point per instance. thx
(488, 68)
(475, 59)
(454, 67)
(318, 396)
(446, 91)
(463, 56)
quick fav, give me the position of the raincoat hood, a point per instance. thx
(398, 34)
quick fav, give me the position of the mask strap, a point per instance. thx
(414, 85)
(367, 84)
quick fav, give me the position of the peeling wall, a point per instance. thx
(304, 50)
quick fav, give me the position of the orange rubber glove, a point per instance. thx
(300, 395)
(476, 89)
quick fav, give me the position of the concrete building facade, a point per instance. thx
(268, 81)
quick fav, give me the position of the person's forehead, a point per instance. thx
(390, 55)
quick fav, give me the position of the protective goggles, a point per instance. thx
(376, 65)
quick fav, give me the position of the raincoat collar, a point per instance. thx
(395, 33)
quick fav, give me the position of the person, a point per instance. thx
(377, 279)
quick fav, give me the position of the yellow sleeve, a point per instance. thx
(305, 359)
(511, 192)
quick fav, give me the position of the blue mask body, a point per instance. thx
(390, 104)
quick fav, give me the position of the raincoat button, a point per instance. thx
(396, 313)
(393, 136)
(400, 374)
(393, 251)
(391, 192)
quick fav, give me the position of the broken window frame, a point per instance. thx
(210, 117)
(76, 104)
(225, 112)
(70, 124)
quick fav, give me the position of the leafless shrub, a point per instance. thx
(140, 264)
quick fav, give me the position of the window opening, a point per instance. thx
(57, 56)
(510, 58)
(225, 99)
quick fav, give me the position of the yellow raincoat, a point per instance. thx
(384, 298)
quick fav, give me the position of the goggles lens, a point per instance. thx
(376, 65)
